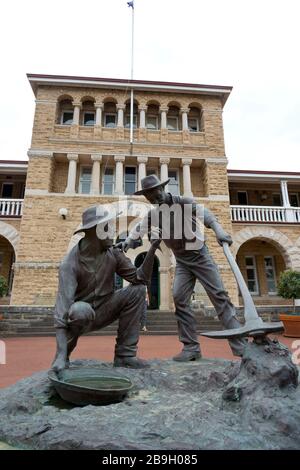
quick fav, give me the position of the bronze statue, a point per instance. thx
(193, 261)
(86, 300)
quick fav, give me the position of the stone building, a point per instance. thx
(81, 155)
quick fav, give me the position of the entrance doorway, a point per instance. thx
(154, 300)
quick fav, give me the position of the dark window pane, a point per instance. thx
(242, 198)
(67, 117)
(89, 119)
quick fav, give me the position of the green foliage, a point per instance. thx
(289, 285)
(3, 286)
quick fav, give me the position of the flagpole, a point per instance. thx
(132, 60)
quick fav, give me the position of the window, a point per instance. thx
(173, 183)
(152, 122)
(276, 198)
(193, 125)
(270, 275)
(7, 190)
(85, 180)
(67, 118)
(108, 181)
(251, 275)
(110, 120)
(172, 123)
(89, 118)
(294, 200)
(130, 179)
(127, 121)
(242, 198)
(151, 171)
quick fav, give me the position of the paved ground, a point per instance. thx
(24, 356)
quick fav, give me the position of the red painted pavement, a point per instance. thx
(24, 356)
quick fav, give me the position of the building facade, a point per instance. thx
(81, 155)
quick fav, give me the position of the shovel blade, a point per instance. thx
(246, 330)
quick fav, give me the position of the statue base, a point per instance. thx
(207, 404)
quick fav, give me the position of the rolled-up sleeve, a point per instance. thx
(127, 270)
(66, 293)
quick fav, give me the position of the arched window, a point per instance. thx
(65, 112)
(110, 114)
(194, 119)
(152, 121)
(88, 113)
(127, 115)
(173, 122)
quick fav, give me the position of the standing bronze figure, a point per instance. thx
(191, 263)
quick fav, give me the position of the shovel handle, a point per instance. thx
(250, 309)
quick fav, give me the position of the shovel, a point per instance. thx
(254, 326)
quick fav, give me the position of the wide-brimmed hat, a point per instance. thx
(150, 182)
(95, 215)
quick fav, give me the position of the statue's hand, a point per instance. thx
(59, 364)
(124, 246)
(222, 237)
(155, 237)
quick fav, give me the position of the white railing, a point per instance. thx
(11, 207)
(266, 214)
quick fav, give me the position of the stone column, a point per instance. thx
(184, 117)
(164, 172)
(163, 119)
(120, 108)
(187, 185)
(95, 185)
(99, 109)
(164, 288)
(73, 159)
(142, 110)
(119, 159)
(142, 169)
(76, 114)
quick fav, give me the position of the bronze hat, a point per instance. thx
(150, 182)
(93, 216)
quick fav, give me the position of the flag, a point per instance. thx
(131, 4)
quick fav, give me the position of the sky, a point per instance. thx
(250, 45)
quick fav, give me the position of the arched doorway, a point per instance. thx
(261, 263)
(7, 258)
(154, 300)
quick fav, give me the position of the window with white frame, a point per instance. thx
(85, 179)
(108, 181)
(152, 122)
(127, 121)
(251, 274)
(173, 185)
(130, 179)
(66, 117)
(110, 120)
(193, 124)
(89, 118)
(172, 123)
(270, 275)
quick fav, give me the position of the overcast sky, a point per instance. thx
(250, 45)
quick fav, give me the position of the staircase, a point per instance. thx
(158, 323)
